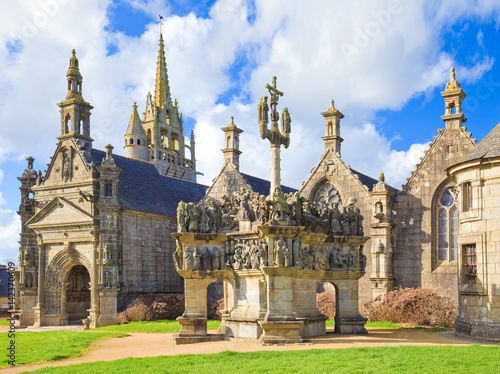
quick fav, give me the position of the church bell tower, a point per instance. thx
(75, 111)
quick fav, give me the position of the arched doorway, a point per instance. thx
(78, 294)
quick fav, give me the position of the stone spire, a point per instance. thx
(75, 111)
(231, 148)
(74, 78)
(135, 137)
(162, 88)
(453, 96)
(332, 128)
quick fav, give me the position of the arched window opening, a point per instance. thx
(328, 194)
(67, 124)
(138, 141)
(447, 226)
(131, 141)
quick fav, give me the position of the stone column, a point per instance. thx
(275, 167)
(39, 309)
(194, 319)
(64, 303)
(348, 320)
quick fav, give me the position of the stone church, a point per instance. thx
(95, 235)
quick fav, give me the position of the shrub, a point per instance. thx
(325, 302)
(413, 306)
(152, 307)
(215, 310)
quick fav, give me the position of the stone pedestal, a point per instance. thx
(194, 330)
(281, 332)
(351, 325)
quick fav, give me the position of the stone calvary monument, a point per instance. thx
(269, 252)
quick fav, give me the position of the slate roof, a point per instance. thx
(369, 181)
(143, 189)
(486, 148)
(262, 186)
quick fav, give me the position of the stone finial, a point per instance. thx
(381, 177)
(134, 106)
(452, 75)
(109, 150)
(332, 106)
(30, 160)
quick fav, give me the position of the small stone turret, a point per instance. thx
(231, 148)
(332, 128)
(382, 232)
(135, 138)
(453, 96)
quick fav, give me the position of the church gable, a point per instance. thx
(60, 212)
(229, 181)
(447, 147)
(67, 165)
(332, 169)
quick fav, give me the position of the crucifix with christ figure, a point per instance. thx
(275, 136)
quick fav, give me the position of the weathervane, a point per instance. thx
(276, 138)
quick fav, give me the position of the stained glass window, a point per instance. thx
(447, 227)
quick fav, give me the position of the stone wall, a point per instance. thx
(415, 257)
(147, 254)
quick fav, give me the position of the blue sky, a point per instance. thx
(384, 62)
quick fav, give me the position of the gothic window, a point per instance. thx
(328, 193)
(470, 263)
(447, 227)
(138, 141)
(131, 141)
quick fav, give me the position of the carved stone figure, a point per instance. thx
(244, 213)
(263, 110)
(188, 258)
(296, 252)
(181, 217)
(280, 248)
(346, 227)
(193, 217)
(255, 255)
(280, 209)
(28, 282)
(214, 216)
(321, 258)
(362, 259)
(196, 259)
(352, 257)
(307, 258)
(215, 258)
(107, 279)
(336, 258)
(285, 122)
(206, 259)
(264, 253)
(335, 222)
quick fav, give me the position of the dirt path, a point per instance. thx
(151, 345)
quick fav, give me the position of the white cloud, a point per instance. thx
(10, 226)
(397, 55)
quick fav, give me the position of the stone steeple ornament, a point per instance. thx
(275, 137)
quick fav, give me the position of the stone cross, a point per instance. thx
(275, 136)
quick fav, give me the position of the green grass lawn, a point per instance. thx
(410, 359)
(34, 347)
(4, 322)
(153, 326)
(174, 326)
